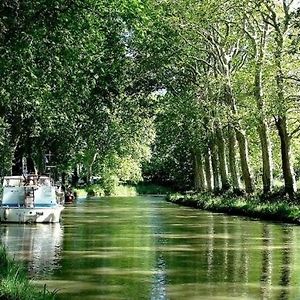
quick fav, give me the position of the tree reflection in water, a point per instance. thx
(39, 245)
(266, 272)
(285, 277)
(144, 248)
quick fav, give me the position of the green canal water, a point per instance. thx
(145, 248)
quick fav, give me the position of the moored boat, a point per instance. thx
(30, 199)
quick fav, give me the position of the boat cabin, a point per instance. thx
(28, 191)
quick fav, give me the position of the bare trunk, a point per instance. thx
(267, 171)
(75, 176)
(199, 172)
(236, 184)
(281, 122)
(90, 167)
(215, 165)
(263, 130)
(222, 159)
(40, 161)
(287, 166)
(242, 141)
(208, 173)
(244, 158)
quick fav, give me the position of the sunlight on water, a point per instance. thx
(145, 248)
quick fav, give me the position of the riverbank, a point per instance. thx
(14, 282)
(142, 188)
(272, 209)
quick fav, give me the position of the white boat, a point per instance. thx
(30, 199)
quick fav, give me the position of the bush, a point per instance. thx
(144, 188)
(95, 190)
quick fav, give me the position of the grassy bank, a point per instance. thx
(276, 209)
(124, 190)
(118, 191)
(14, 282)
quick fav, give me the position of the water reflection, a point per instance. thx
(144, 248)
(159, 281)
(39, 245)
(285, 277)
(266, 272)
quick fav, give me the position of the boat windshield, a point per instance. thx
(12, 181)
(28, 181)
(44, 181)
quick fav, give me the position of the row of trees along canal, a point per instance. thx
(180, 92)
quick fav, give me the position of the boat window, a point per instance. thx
(44, 181)
(12, 182)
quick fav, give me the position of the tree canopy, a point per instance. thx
(198, 95)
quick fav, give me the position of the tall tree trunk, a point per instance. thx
(31, 169)
(215, 165)
(40, 160)
(266, 151)
(200, 184)
(285, 147)
(244, 158)
(281, 122)
(222, 159)
(90, 167)
(241, 139)
(208, 173)
(236, 184)
(17, 167)
(263, 130)
(75, 176)
(64, 178)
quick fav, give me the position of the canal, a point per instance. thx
(146, 248)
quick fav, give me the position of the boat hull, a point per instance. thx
(30, 215)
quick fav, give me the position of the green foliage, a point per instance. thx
(68, 84)
(144, 188)
(80, 192)
(95, 190)
(113, 189)
(130, 89)
(122, 190)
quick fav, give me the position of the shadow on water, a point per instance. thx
(144, 248)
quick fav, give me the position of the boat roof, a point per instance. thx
(23, 176)
(29, 180)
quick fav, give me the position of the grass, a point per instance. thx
(276, 209)
(120, 190)
(125, 190)
(14, 282)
